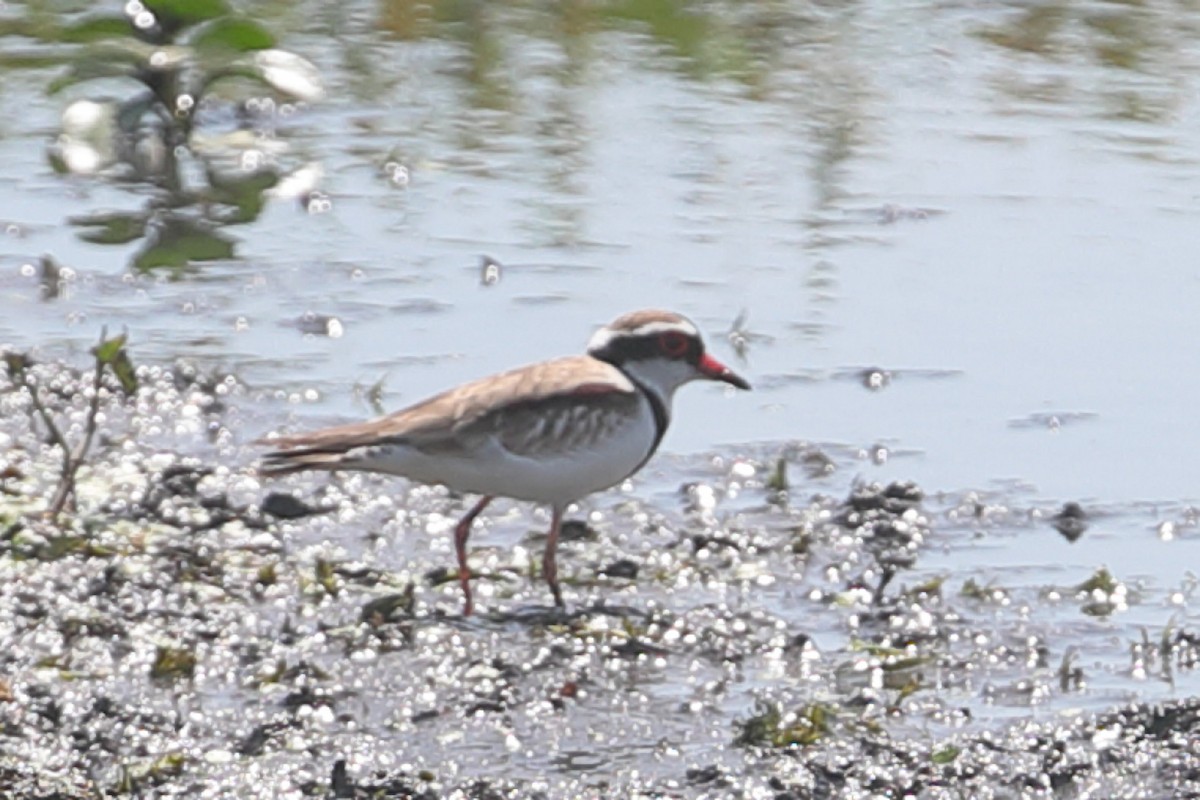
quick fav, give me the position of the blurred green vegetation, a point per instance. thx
(170, 56)
(517, 62)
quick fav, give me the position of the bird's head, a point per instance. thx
(661, 350)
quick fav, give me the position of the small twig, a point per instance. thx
(108, 354)
(56, 436)
(94, 409)
(72, 460)
(888, 572)
(21, 376)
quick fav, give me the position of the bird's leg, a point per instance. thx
(550, 556)
(460, 547)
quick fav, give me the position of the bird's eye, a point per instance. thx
(673, 344)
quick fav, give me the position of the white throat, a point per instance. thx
(659, 376)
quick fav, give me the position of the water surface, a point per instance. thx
(992, 206)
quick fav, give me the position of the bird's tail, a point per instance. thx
(306, 452)
(285, 462)
(339, 447)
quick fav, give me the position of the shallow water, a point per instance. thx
(992, 205)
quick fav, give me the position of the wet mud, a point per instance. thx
(746, 624)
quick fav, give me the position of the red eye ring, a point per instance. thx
(673, 344)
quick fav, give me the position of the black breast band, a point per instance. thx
(662, 418)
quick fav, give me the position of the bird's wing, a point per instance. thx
(536, 410)
(517, 408)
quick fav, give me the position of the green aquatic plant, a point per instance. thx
(389, 607)
(1101, 581)
(173, 53)
(175, 58)
(325, 576)
(171, 663)
(983, 592)
(110, 356)
(769, 726)
(946, 755)
(777, 483)
(135, 777)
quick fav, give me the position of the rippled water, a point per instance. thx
(991, 208)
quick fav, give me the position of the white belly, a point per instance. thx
(551, 478)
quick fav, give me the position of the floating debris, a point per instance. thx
(316, 324)
(382, 609)
(625, 568)
(489, 271)
(740, 337)
(1071, 521)
(875, 378)
(53, 277)
(171, 663)
(288, 506)
(1052, 421)
(397, 174)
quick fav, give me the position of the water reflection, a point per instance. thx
(726, 155)
(1142, 48)
(170, 59)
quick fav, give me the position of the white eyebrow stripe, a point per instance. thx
(600, 340)
(603, 337)
(663, 327)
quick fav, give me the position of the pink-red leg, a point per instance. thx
(461, 534)
(550, 556)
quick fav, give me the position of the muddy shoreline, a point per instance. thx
(191, 631)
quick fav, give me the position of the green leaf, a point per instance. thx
(110, 58)
(38, 58)
(946, 755)
(111, 228)
(95, 29)
(180, 243)
(176, 14)
(107, 351)
(244, 191)
(236, 35)
(122, 367)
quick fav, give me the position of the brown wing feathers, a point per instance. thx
(460, 413)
